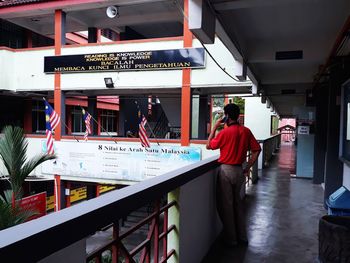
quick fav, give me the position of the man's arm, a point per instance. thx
(252, 160)
(212, 133)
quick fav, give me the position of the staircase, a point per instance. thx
(158, 128)
(161, 128)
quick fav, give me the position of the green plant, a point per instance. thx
(12, 214)
(13, 152)
(240, 103)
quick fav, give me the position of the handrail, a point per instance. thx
(144, 246)
(270, 138)
(74, 223)
(268, 148)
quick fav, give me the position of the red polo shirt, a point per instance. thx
(234, 142)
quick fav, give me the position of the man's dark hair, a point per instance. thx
(232, 110)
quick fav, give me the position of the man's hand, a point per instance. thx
(246, 174)
(217, 124)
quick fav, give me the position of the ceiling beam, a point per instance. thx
(80, 18)
(244, 4)
(274, 77)
(226, 40)
(224, 37)
(48, 7)
(261, 51)
(35, 27)
(105, 22)
(148, 18)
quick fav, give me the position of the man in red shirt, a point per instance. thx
(234, 142)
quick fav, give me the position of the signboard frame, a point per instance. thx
(126, 61)
(99, 161)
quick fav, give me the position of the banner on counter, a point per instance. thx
(131, 60)
(127, 162)
(36, 203)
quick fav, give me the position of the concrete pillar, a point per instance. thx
(92, 109)
(63, 113)
(321, 104)
(63, 198)
(186, 84)
(200, 116)
(27, 120)
(203, 117)
(63, 28)
(122, 116)
(194, 116)
(92, 35)
(91, 191)
(29, 35)
(69, 119)
(59, 96)
(339, 73)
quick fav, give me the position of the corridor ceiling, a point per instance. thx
(305, 31)
(261, 28)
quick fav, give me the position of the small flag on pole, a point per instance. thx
(87, 119)
(142, 130)
(52, 120)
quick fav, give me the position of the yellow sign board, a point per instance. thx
(106, 188)
(50, 202)
(78, 194)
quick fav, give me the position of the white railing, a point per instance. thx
(268, 146)
(60, 236)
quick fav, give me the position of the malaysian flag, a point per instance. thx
(87, 119)
(52, 120)
(142, 130)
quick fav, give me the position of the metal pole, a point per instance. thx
(115, 254)
(97, 124)
(156, 233)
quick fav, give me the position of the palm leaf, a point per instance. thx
(13, 149)
(31, 164)
(13, 153)
(12, 214)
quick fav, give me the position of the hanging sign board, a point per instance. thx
(127, 162)
(304, 130)
(121, 61)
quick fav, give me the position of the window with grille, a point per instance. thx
(11, 35)
(78, 125)
(38, 117)
(108, 122)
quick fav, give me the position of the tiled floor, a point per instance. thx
(283, 214)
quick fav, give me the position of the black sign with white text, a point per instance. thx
(121, 61)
